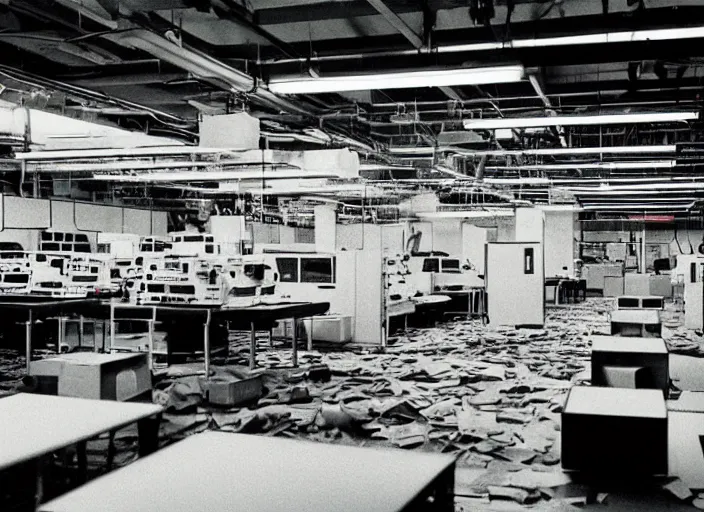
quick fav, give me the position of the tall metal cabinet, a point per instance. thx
(515, 283)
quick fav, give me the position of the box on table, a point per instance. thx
(616, 359)
(636, 284)
(661, 285)
(644, 323)
(329, 328)
(640, 302)
(685, 433)
(98, 376)
(615, 431)
(613, 286)
(233, 392)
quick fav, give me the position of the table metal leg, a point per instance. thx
(445, 491)
(148, 432)
(39, 482)
(309, 335)
(206, 346)
(111, 450)
(150, 344)
(80, 331)
(112, 327)
(82, 460)
(252, 346)
(28, 340)
(294, 343)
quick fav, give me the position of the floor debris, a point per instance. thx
(490, 396)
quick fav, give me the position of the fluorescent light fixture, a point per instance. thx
(516, 181)
(613, 150)
(413, 150)
(534, 122)
(667, 34)
(503, 134)
(465, 214)
(640, 207)
(657, 164)
(428, 78)
(636, 189)
(212, 176)
(121, 153)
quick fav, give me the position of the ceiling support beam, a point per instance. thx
(127, 80)
(452, 93)
(535, 82)
(398, 23)
(410, 34)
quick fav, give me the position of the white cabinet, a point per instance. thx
(515, 284)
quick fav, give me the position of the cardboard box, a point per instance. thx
(330, 328)
(636, 284)
(98, 376)
(638, 302)
(643, 323)
(616, 359)
(661, 286)
(617, 432)
(234, 392)
(613, 286)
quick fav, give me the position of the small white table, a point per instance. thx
(34, 426)
(222, 472)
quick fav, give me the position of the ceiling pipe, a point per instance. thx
(205, 67)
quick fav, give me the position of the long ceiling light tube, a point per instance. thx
(613, 150)
(426, 78)
(657, 164)
(610, 150)
(211, 176)
(633, 189)
(634, 36)
(79, 154)
(586, 120)
(641, 207)
(148, 166)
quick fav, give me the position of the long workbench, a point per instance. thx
(253, 318)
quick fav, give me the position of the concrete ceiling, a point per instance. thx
(82, 47)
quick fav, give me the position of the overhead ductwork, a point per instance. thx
(205, 67)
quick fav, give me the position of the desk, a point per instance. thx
(476, 301)
(252, 318)
(34, 426)
(221, 472)
(565, 288)
(28, 309)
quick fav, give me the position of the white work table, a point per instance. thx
(628, 344)
(36, 425)
(223, 472)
